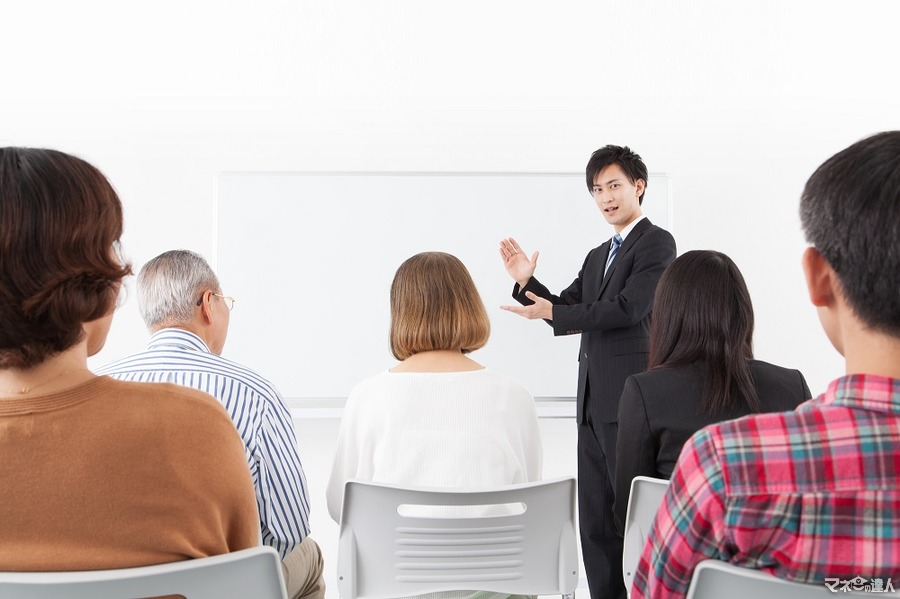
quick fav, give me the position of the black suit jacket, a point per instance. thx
(660, 410)
(612, 314)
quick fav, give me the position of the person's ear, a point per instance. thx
(205, 307)
(639, 185)
(820, 278)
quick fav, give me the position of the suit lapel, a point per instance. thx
(597, 271)
(624, 250)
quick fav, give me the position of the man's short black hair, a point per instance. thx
(630, 162)
(850, 210)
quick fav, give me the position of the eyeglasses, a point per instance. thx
(229, 301)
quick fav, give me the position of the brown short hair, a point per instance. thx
(435, 306)
(60, 221)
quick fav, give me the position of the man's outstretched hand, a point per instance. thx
(541, 308)
(517, 264)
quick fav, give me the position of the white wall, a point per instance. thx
(736, 101)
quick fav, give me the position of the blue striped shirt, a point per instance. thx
(259, 413)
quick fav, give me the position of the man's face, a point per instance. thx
(617, 197)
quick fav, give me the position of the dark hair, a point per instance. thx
(850, 210)
(630, 163)
(702, 312)
(435, 305)
(60, 221)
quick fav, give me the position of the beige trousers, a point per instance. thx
(303, 568)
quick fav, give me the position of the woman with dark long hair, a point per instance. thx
(701, 369)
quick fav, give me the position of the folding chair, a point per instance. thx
(644, 499)
(714, 579)
(254, 572)
(517, 540)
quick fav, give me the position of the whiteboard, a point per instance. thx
(310, 258)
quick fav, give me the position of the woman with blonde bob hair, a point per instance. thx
(96, 473)
(436, 307)
(438, 418)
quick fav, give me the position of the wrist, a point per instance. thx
(548, 314)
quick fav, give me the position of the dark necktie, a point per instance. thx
(613, 250)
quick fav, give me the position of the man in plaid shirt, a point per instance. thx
(812, 494)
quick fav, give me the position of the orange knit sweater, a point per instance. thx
(112, 474)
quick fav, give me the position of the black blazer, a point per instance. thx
(660, 410)
(612, 314)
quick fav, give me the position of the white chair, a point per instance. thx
(644, 499)
(518, 540)
(254, 572)
(714, 579)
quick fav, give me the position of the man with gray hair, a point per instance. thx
(182, 304)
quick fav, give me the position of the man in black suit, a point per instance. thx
(609, 305)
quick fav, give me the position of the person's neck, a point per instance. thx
(871, 352)
(437, 361)
(58, 373)
(620, 228)
(204, 333)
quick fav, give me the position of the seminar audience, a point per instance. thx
(183, 306)
(811, 495)
(701, 369)
(97, 473)
(438, 418)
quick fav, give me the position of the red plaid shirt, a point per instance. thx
(804, 495)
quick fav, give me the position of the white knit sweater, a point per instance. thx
(469, 429)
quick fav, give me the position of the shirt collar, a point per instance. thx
(862, 391)
(624, 232)
(177, 338)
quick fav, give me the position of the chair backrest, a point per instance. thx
(254, 572)
(644, 499)
(716, 579)
(517, 539)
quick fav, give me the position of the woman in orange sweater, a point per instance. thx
(96, 473)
